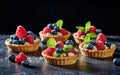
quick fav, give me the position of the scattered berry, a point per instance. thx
(116, 61)
(25, 63)
(21, 57)
(12, 58)
(69, 42)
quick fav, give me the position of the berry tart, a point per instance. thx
(55, 30)
(82, 31)
(22, 41)
(96, 45)
(59, 53)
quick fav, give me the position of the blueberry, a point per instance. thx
(93, 41)
(107, 43)
(68, 42)
(11, 58)
(25, 63)
(98, 31)
(54, 32)
(59, 50)
(54, 25)
(43, 41)
(31, 33)
(14, 41)
(21, 40)
(56, 28)
(50, 25)
(116, 61)
(89, 46)
(13, 36)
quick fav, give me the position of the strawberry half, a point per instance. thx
(46, 30)
(29, 39)
(21, 32)
(79, 33)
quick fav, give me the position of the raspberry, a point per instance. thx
(63, 31)
(100, 45)
(101, 37)
(21, 57)
(60, 43)
(21, 32)
(50, 51)
(79, 33)
(46, 30)
(92, 29)
(29, 39)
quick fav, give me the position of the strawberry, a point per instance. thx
(72, 51)
(21, 57)
(92, 29)
(46, 30)
(29, 39)
(100, 45)
(79, 33)
(60, 43)
(101, 37)
(63, 31)
(49, 51)
(21, 32)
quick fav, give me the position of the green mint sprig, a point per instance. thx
(59, 23)
(51, 43)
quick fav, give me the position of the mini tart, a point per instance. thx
(97, 53)
(60, 60)
(77, 39)
(22, 48)
(57, 38)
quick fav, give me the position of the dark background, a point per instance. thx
(36, 14)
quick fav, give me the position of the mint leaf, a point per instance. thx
(87, 26)
(92, 35)
(80, 28)
(67, 48)
(59, 23)
(51, 43)
(86, 39)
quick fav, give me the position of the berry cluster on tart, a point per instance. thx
(95, 44)
(56, 31)
(22, 41)
(83, 31)
(60, 53)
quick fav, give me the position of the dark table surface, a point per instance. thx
(84, 65)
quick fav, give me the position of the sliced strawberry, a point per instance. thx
(101, 37)
(100, 45)
(63, 31)
(46, 30)
(49, 51)
(21, 57)
(60, 43)
(29, 39)
(80, 33)
(21, 32)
